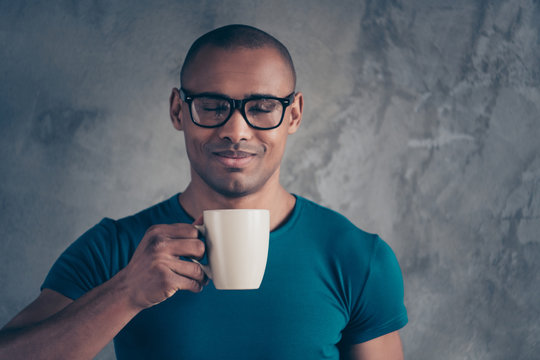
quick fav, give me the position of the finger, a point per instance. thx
(174, 231)
(182, 231)
(185, 283)
(187, 277)
(192, 248)
(187, 269)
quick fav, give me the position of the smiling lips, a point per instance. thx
(233, 158)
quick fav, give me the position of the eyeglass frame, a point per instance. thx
(235, 104)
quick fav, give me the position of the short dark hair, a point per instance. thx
(237, 36)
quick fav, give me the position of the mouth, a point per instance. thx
(234, 159)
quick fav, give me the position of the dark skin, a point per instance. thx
(54, 326)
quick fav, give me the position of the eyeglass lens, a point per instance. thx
(263, 113)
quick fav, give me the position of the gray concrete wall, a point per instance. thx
(422, 124)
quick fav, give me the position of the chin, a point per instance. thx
(233, 183)
(234, 188)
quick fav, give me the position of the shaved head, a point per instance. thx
(231, 37)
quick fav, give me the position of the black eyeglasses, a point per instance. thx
(260, 112)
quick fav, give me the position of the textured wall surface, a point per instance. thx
(422, 124)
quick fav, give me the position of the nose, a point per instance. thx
(236, 128)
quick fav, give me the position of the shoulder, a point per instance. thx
(341, 238)
(330, 222)
(165, 212)
(109, 233)
(104, 249)
(312, 211)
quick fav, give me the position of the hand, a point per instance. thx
(156, 272)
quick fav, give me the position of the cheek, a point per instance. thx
(193, 143)
(277, 143)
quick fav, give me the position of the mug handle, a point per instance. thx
(205, 268)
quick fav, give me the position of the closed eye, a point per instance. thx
(255, 109)
(216, 108)
(262, 106)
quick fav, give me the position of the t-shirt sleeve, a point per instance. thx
(85, 264)
(379, 309)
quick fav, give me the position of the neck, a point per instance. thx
(195, 199)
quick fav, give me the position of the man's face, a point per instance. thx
(235, 159)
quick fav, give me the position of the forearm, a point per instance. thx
(79, 331)
(82, 328)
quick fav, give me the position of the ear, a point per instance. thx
(175, 109)
(296, 113)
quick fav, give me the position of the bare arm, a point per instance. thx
(386, 347)
(54, 326)
(49, 302)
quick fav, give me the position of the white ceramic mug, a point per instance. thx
(236, 247)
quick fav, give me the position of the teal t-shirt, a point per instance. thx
(327, 284)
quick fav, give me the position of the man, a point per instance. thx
(330, 290)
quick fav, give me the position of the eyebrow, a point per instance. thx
(249, 96)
